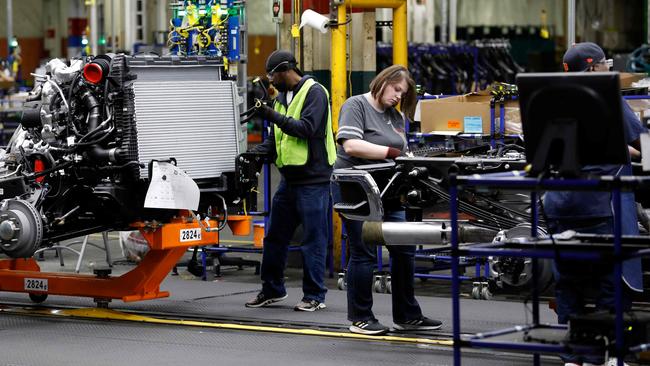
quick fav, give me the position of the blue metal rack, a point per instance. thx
(488, 340)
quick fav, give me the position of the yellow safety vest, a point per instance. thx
(292, 150)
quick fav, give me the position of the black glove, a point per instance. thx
(271, 115)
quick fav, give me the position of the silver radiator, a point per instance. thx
(194, 121)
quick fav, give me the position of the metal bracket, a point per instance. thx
(384, 23)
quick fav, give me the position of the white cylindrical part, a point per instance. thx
(405, 233)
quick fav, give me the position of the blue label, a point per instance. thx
(473, 124)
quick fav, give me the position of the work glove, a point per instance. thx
(392, 153)
(271, 115)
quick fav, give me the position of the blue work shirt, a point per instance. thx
(572, 206)
(590, 205)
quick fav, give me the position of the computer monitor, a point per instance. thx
(570, 120)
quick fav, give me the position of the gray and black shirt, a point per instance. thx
(360, 120)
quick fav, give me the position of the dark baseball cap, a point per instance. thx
(281, 60)
(581, 56)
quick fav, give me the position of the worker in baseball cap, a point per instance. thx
(585, 56)
(577, 285)
(301, 144)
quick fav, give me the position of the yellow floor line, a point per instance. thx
(108, 314)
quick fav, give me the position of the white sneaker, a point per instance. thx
(309, 305)
(614, 362)
(611, 362)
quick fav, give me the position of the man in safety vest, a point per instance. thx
(302, 146)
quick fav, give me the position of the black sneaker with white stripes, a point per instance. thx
(369, 327)
(309, 305)
(262, 300)
(422, 323)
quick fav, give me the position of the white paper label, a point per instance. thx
(171, 188)
(190, 235)
(36, 284)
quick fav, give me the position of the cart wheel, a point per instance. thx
(37, 298)
(341, 284)
(389, 286)
(485, 293)
(380, 287)
(476, 293)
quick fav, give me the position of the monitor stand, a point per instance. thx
(558, 149)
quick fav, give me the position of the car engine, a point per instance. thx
(80, 160)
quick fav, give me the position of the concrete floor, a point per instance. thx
(100, 342)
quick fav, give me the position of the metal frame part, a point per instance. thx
(368, 208)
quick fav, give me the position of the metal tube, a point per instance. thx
(441, 277)
(405, 233)
(339, 94)
(444, 15)
(430, 32)
(113, 28)
(339, 68)
(618, 273)
(455, 270)
(453, 11)
(94, 24)
(128, 20)
(293, 21)
(242, 70)
(421, 233)
(571, 23)
(162, 19)
(10, 25)
(400, 40)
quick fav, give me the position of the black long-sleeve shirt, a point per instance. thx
(311, 126)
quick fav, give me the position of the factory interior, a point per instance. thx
(312, 182)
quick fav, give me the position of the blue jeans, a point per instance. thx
(292, 205)
(360, 273)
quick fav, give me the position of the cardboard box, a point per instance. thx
(641, 107)
(468, 113)
(627, 78)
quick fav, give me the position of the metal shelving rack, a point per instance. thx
(500, 180)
